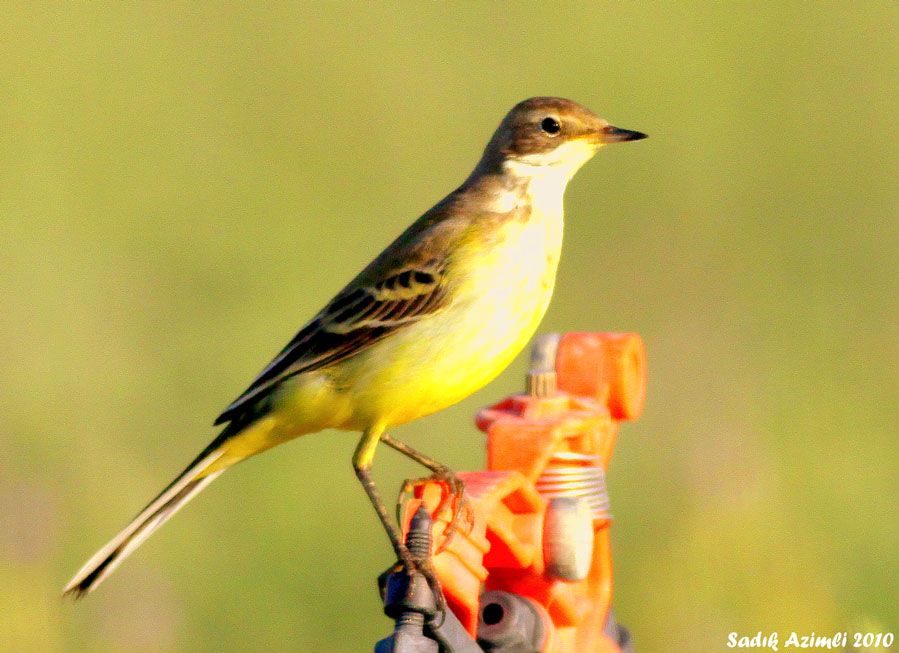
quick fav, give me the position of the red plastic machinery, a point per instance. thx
(540, 509)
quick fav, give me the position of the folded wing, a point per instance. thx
(357, 318)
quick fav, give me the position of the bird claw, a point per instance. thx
(413, 565)
(453, 499)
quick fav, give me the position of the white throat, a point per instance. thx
(540, 179)
(541, 187)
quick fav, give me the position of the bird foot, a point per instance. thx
(453, 499)
(414, 565)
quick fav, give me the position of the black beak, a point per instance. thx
(612, 134)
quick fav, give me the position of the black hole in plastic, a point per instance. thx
(492, 614)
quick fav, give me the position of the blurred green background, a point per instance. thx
(181, 186)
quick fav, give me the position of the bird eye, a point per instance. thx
(551, 126)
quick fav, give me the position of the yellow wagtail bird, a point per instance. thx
(440, 313)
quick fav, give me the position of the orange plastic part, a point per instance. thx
(600, 380)
(608, 366)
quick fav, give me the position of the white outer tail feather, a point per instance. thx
(141, 527)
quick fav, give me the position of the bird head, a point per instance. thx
(545, 134)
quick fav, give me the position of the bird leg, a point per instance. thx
(362, 461)
(454, 499)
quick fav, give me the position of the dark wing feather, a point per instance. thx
(357, 318)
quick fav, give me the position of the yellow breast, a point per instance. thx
(501, 290)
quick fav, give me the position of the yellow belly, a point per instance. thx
(501, 300)
(439, 364)
(500, 294)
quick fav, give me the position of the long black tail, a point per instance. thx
(171, 500)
